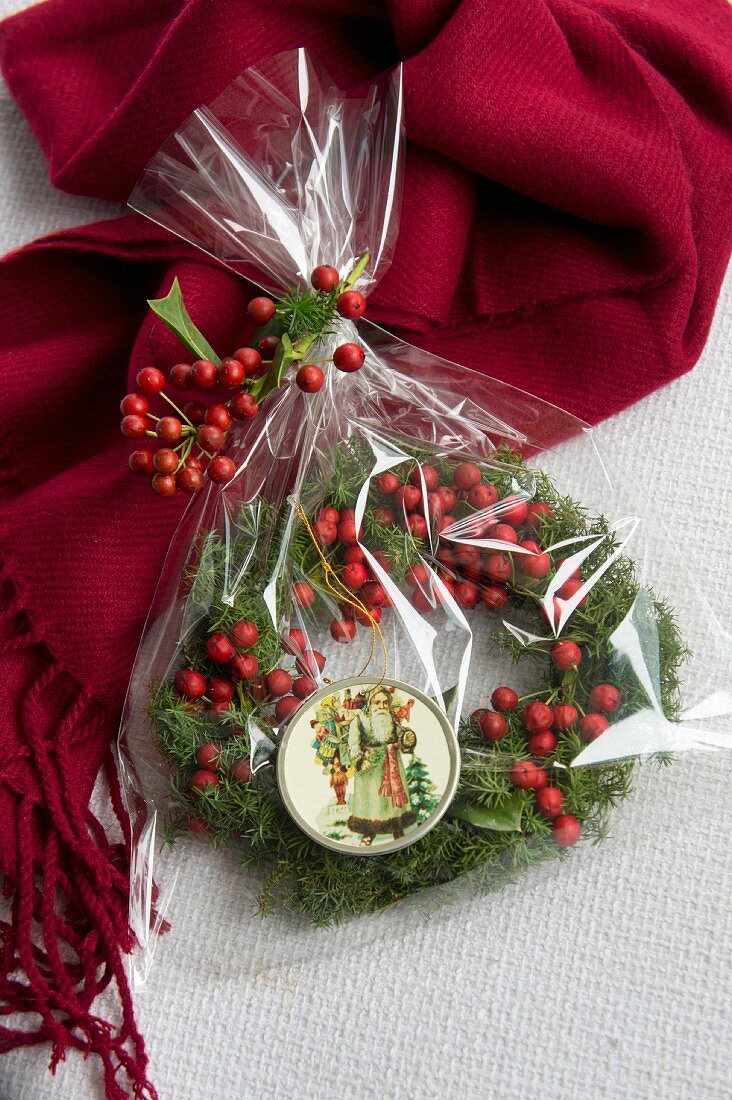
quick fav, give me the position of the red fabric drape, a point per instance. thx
(566, 226)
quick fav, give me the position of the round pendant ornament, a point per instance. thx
(368, 766)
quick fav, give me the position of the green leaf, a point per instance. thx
(502, 816)
(285, 355)
(171, 309)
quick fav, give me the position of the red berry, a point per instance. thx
(251, 360)
(426, 474)
(268, 347)
(408, 497)
(355, 575)
(565, 715)
(133, 427)
(494, 597)
(537, 717)
(169, 429)
(330, 515)
(348, 358)
(204, 778)
(241, 771)
(190, 683)
(244, 666)
(534, 564)
(541, 744)
(278, 682)
(422, 601)
(549, 801)
(325, 533)
(467, 554)
(197, 826)
(566, 654)
(220, 689)
(498, 567)
(353, 554)
(513, 510)
(343, 630)
(244, 634)
(189, 479)
(538, 512)
(448, 496)
(295, 641)
(570, 588)
(374, 594)
(388, 483)
(165, 461)
(466, 594)
(493, 726)
(417, 524)
(141, 462)
(151, 381)
(325, 278)
(221, 469)
(466, 475)
(195, 411)
(310, 378)
(219, 416)
(434, 507)
(528, 776)
(502, 532)
(505, 699)
(565, 830)
(286, 706)
(303, 686)
(164, 485)
(368, 618)
(230, 373)
(351, 304)
(593, 726)
(606, 698)
(210, 438)
(180, 376)
(384, 517)
(303, 594)
(134, 404)
(482, 496)
(203, 374)
(310, 662)
(220, 707)
(347, 533)
(193, 462)
(209, 756)
(261, 310)
(220, 649)
(243, 406)
(418, 575)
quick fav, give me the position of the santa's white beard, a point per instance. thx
(382, 726)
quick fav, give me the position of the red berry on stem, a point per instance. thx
(210, 438)
(498, 567)
(388, 483)
(353, 554)
(384, 517)
(494, 597)
(220, 689)
(369, 617)
(230, 373)
(534, 564)
(310, 378)
(593, 726)
(241, 771)
(466, 475)
(244, 666)
(204, 778)
(209, 756)
(492, 726)
(303, 594)
(505, 699)
(347, 533)
(417, 524)
(538, 512)
(513, 510)
(351, 304)
(355, 575)
(295, 641)
(303, 686)
(606, 698)
(150, 380)
(164, 485)
(570, 588)
(549, 801)
(565, 715)
(466, 594)
(541, 744)
(267, 347)
(261, 310)
(418, 575)
(374, 594)
(482, 496)
(169, 429)
(325, 278)
(190, 683)
(502, 532)
(219, 416)
(134, 404)
(330, 515)
(528, 776)
(537, 717)
(286, 706)
(195, 411)
(310, 662)
(566, 654)
(348, 358)
(408, 497)
(243, 406)
(180, 376)
(278, 682)
(448, 496)
(565, 830)
(220, 649)
(325, 533)
(133, 427)
(220, 469)
(203, 374)
(251, 360)
(343, 630)
(426, 474)
(189, 479)
(245, 634)
(141, 462)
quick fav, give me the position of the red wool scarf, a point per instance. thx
(566, 227)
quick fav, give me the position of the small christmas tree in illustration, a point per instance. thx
(422, 791)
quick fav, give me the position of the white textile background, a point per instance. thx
(606, 977)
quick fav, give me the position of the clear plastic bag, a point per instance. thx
(471, 559)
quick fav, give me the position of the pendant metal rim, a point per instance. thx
(425, 827)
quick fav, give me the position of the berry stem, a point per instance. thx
(357, 272)
(173, 405)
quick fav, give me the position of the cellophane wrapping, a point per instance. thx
(282, 173)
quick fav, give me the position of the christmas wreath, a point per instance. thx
(450, 531)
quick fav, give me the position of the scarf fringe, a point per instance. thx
(68, 892)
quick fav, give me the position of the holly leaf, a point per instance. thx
(171, 309)
(502, 816)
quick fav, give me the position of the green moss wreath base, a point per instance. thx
(495, 829)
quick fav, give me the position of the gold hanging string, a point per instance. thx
(344, 595)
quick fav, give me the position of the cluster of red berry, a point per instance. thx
(542, 724)
(193, 436)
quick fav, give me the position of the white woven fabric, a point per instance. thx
(606, 977)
